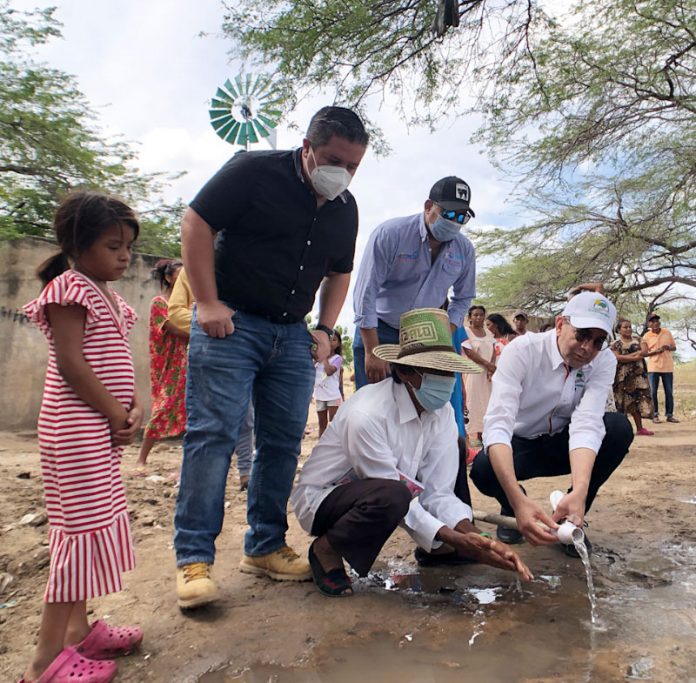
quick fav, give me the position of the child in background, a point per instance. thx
(327, 385)
(168, 361)
(89, 412)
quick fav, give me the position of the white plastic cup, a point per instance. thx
(567, 533)
(555, 499)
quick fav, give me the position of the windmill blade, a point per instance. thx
(271, 123)
(234, 135)
(263, 132)
(231, 89)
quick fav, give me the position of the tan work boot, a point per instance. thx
(282, 565)
(194, 587)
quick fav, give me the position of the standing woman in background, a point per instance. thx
(168, 350)
(631, 386)
(480, 347)
(502, 330)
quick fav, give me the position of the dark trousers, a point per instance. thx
(667, 380)
(359, 517)
(548, 456)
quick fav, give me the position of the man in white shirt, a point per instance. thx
(390, 457)
(546, 417)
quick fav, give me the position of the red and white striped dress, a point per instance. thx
(89, 538)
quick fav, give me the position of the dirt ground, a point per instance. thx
(257, 621)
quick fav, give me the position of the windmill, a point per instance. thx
(244, 110)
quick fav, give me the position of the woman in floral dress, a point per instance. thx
(168, 355)
(631, 387)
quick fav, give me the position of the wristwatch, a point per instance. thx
(327, 330)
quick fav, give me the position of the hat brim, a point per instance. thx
(586, 323)
(456, 206)
(449, 361)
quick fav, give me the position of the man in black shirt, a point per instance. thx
(258, 241)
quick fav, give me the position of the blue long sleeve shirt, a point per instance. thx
(397, 274)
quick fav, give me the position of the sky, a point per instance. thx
(149, 74)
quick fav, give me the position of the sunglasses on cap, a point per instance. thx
(461, 217)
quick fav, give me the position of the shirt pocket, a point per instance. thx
(452, 265)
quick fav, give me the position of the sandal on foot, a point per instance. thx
(334, 583)
(70, 666)
(105, 642)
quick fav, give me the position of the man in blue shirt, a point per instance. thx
(412, 262)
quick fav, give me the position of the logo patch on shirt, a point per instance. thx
(462, 191)
(579, 379)
(404, 256)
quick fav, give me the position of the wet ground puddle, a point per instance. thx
(513, 632)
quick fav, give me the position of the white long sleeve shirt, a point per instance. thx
(377, 433)
(534, 392)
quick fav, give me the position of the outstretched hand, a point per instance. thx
(474, 546)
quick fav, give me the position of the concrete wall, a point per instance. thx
(24, 349)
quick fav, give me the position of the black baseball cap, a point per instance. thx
(452, 193)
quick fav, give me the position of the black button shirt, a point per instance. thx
(273, 245)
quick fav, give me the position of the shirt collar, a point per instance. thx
(297, 160)
(422, 228)
(404, 405)
(552, 350)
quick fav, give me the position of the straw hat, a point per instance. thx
(425, 341)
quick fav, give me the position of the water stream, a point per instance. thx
(585, 557)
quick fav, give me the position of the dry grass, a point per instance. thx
(685, 389)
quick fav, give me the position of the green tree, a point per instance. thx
(49, 143)
(599, 122)
(593, 111)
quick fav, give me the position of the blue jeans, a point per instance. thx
(667, 380)
(245, 443)
(275, 363)
(386, 335)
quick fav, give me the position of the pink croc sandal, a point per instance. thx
(69, 666)
(104, 642)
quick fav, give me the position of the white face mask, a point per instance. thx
(329, 181)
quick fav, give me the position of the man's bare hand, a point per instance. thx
(375, 368)
(528, 515)
(215, 319)
(322, 346)
(489, 551)
(572, 508)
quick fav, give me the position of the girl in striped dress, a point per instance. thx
(89, 412)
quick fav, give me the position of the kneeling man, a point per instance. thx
(546, 418)
(390, 457)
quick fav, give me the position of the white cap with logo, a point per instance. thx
(589, 309)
